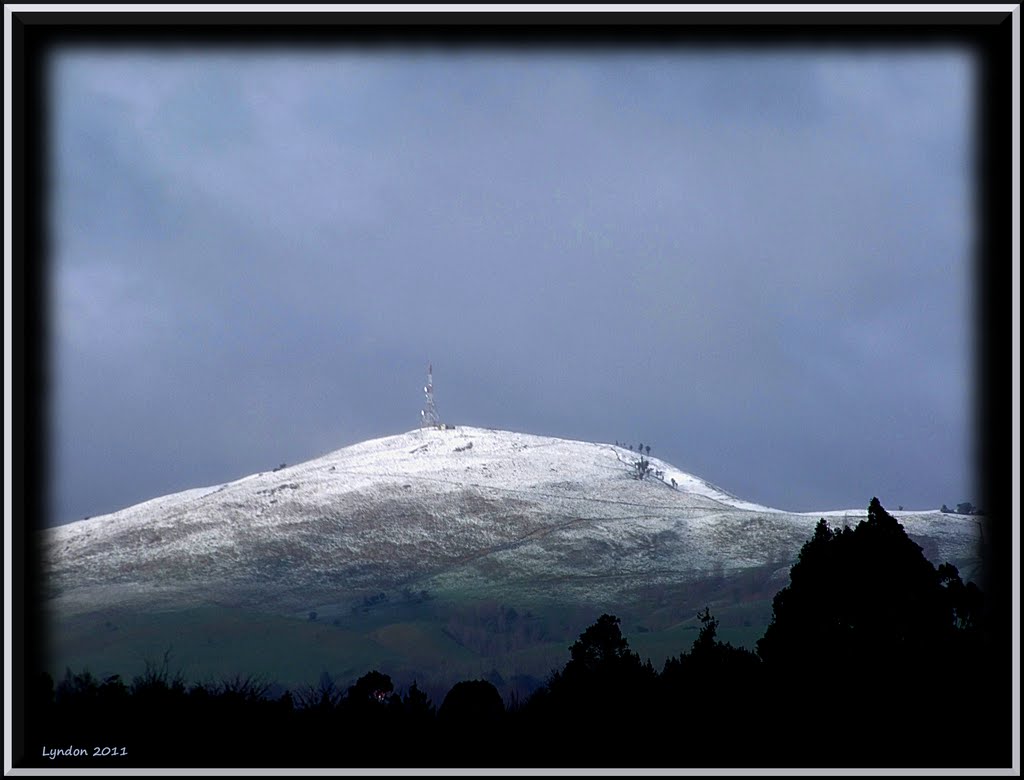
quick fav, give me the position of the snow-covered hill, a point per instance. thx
(467, 511)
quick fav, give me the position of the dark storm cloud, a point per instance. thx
(758, 264)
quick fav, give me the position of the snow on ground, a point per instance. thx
(444, 507)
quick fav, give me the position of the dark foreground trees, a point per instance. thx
(603, 693)
(874, 657)
(872, 638)
(867, 598)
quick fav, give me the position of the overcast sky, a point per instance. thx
(758, 263)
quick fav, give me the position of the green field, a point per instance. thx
(435, 642)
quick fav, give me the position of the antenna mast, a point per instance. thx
(429, 417)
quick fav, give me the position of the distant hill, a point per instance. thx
(466, 549)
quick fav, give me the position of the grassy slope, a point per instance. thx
(435, 643)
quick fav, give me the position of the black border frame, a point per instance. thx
(35, 34)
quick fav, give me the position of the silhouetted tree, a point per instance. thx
(604, 686)
(715, 681)
(706, 639)
(471, 722)
(417, 704)
(372, 688)
(474, 704)
(863, 593)
(888, 625)
(323, 697)
(600, 646)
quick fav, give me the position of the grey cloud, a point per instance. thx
(257, 255)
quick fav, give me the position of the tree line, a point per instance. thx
(873, 657)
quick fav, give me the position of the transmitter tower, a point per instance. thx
(429, 418)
